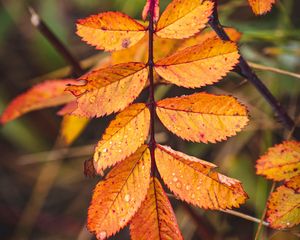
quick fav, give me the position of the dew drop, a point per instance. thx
(287, 223)
(193, 196)
(175, 179)
(92, 99)
(173, 174)
(178, 185)
(110, 142)
(120, 150)
(127, 198)
(104, 150)
(101, 235)
(188, 187)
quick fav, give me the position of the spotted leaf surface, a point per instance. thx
(260, 7)
(47, 94)
(183, 18)
(280, 162)
(71, 127)
(284, 205)
(117, 198)
(123, 136)
(109, 89)
(155, 219)
(202, 117)
(199, 65)
(147, 9)
(194, 181)
(201, 37)
(110, 31)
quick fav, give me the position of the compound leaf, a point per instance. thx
(47, 94)
(109, 89)
(156, 215)
(124, 136)
(284, 205)
(260, 7)
(117, 198)
(199, 65)
(280, 162)
(202, 117)
(194, 181)
(183, 18)
(110, 31)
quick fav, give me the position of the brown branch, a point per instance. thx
(37, 22)
(244, 70)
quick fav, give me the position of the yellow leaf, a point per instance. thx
(202, 117)
(123, 136)
(183, 18)
(194, 181)
(71, 127)
(119, 196)
(155, 219)
(110, 31)
(203, 36)
(199, 65)
(260, 7)
(109, 89)
(280, 162)
(47, 94)
(284, 205)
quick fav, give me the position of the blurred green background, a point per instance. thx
(56, 209)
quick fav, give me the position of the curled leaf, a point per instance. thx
(183, 18)
(199, 65)
(147, 9)
(202, 117)
(109, 89)
(156, 215)
(281, 162)
(119, 196)
(260, 7)
(47, 94)
(284, 205)
(194, 181)
(110, 31)
(123, 136)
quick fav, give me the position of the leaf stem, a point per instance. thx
(152, 103)
(244, 70)
(37, 22)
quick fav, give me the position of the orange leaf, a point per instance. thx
(202, 117)
(199, 65)
(183, 18)
(201, 37)
(109, 89)
(47, 94)
(155, 219)
(194, 181)
(284, 205)
(139, 52)
(260, 7)
(71, 127)
(110, 31)
(119, 196)
(280, 162)
(123, 136)
(147, 9)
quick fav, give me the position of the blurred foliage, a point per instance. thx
(272, 40)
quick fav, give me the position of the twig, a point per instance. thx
(151, 104)
(245, 71)
(272, 69)
(57, 44)
(264, 214)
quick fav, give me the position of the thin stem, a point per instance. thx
(245, 71)
(264, 214)
(152, 104)
(57, 44)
